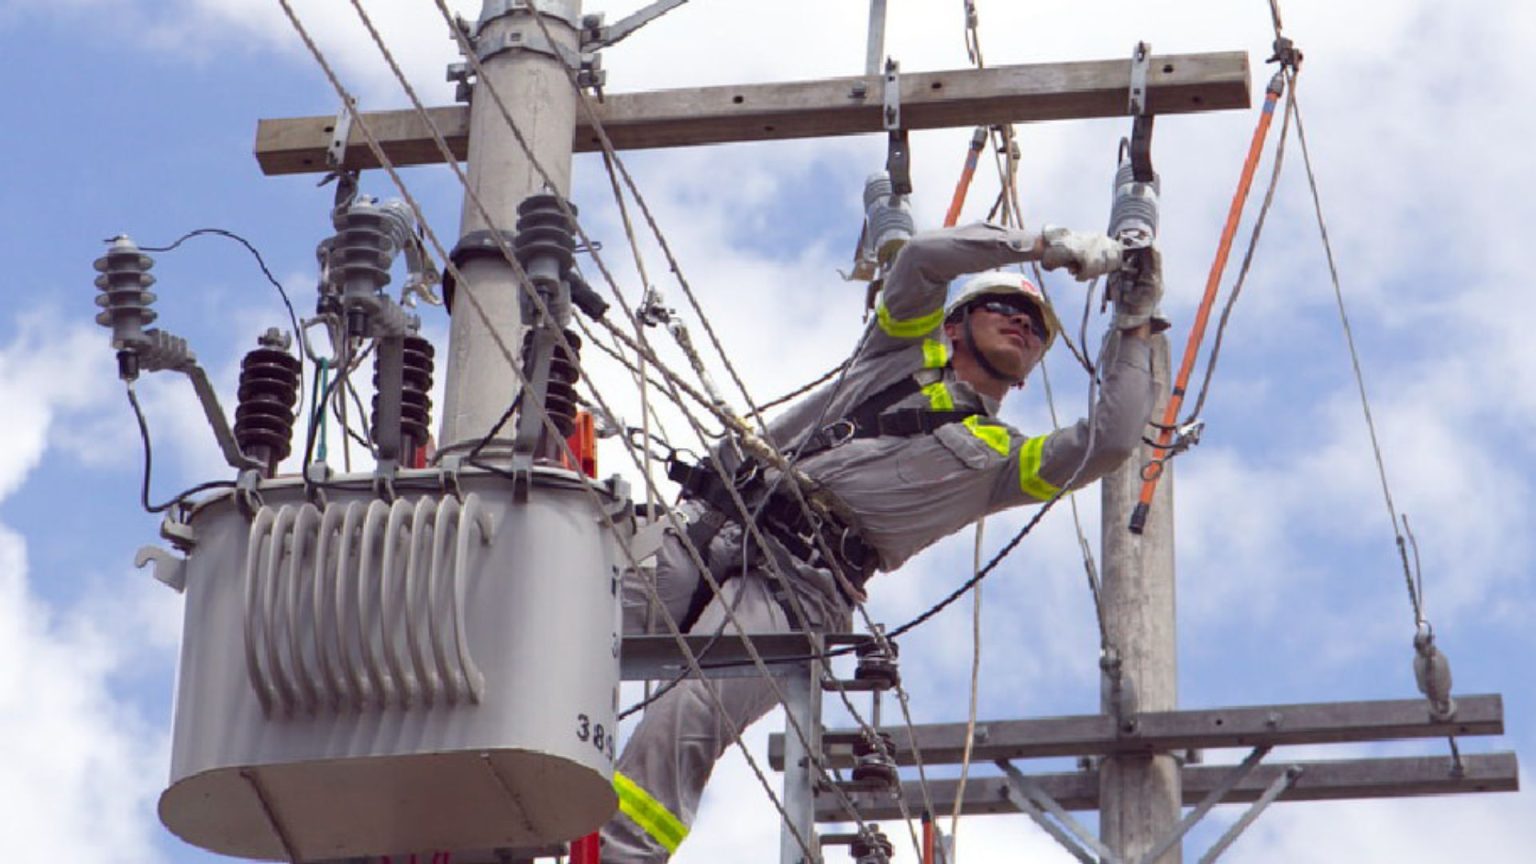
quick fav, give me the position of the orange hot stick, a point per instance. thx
(978, 141)
(1154, 469)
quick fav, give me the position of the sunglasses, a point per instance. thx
(1017, 309)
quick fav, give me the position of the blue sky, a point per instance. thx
(139, 117)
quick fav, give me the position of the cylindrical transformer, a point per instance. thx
(362, 677)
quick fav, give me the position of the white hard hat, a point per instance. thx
(999, 283)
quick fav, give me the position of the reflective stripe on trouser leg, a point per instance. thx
(649, 814)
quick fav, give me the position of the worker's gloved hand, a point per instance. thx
(1137, 292)
(1086, 256)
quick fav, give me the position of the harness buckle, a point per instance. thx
(838, 433)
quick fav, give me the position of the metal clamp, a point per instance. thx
(898, 159)
(1141, 61)
(248, 492)
(564, 10)
(448, 470)
(518, 40)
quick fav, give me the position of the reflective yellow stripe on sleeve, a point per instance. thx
(935, 355)
(907, 328)
(995, 437)
(1029, 471)
(649, 814)
(938, 397)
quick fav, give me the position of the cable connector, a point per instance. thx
(1286, 54)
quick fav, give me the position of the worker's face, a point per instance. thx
(1008, 331)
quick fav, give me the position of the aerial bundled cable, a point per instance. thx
(1432, 671)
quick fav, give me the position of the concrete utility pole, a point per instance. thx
(537, 94)
(1139, 795)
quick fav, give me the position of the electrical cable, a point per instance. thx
(260, 262)
(138, 413)
(970, 718)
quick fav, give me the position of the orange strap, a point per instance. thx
(1153, 470)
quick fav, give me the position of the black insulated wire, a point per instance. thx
(149, 461)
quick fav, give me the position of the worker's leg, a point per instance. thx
(670, 756)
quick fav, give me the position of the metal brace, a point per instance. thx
(1285, 781)
(341, 130)
(1027, 795)
(898, 159)
(1141, 61)
(594, 35)
(1211, 799)
(170, 570)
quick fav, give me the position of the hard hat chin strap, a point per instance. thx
(981, 359)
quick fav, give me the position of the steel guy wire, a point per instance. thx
(836, 569)
(1294, 107)
(506, 354)
(523, 282)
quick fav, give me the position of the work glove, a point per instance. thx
(1086, 256)
(1137, 292)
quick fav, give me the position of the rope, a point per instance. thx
(970, 716)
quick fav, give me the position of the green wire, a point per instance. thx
(316, 410)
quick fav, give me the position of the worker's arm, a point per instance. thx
(1031, 469)
(911, 305)
(1118, 420)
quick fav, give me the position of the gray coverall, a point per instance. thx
(905, 492)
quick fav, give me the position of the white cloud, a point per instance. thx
(83, 765)
(1416, 132)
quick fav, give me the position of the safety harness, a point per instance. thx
(780, 513)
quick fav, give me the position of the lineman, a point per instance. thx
(909, 446)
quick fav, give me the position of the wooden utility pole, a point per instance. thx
(1139, 795)
(524, 77)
